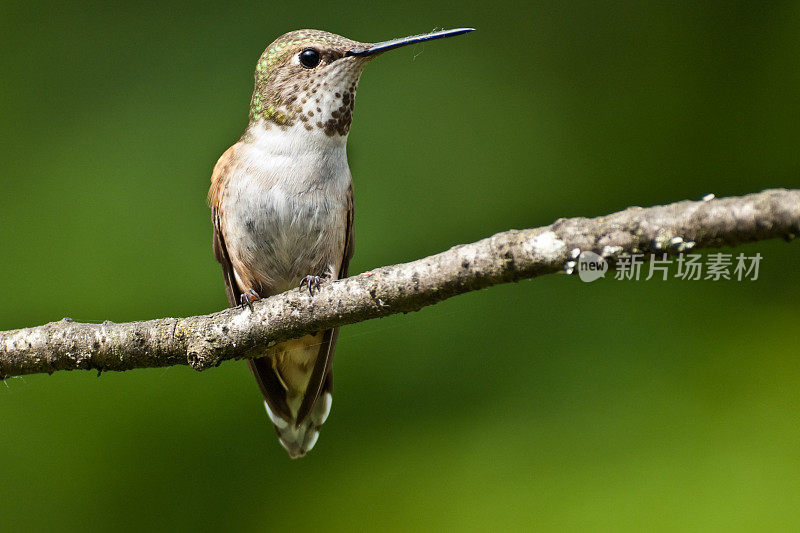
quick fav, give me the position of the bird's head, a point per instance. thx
(308, 79)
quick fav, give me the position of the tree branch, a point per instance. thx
(205, 341)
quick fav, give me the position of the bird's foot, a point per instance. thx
(247, 298)
(313, 282)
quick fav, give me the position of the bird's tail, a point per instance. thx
(299, 439)
(296, 380)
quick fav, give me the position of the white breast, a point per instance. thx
(286, 207)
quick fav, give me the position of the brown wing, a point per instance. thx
(322, 375)
(219, 179)
(221, 254)
(349, 244)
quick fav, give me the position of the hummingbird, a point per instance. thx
(281, 203)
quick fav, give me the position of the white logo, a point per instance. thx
(591, 266)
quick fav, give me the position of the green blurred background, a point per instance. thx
(550, 403)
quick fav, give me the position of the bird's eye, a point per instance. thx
(309, 58)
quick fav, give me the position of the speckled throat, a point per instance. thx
(322, 98)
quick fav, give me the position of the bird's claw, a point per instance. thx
(313, 282)
(247, 298)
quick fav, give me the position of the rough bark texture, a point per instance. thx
(205, 341)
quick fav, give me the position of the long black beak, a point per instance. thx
(377, 48)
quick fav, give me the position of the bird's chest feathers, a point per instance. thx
(288, 211)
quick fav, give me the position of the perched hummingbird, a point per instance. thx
(282, 207)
